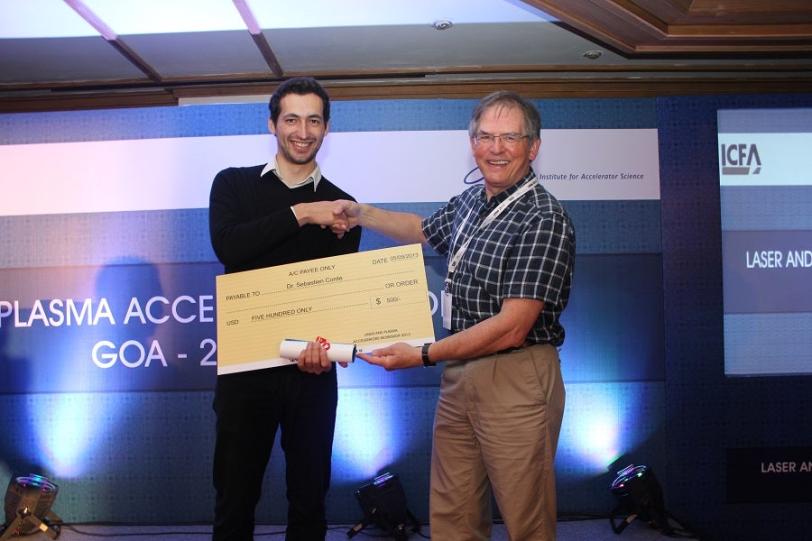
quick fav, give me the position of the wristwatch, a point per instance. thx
(424, 354)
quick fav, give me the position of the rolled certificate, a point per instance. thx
(344, 353)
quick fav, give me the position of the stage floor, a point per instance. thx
(574, 530)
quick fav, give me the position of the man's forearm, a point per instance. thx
(507, 329)
(485, 338)
(403, 227)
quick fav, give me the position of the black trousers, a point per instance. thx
(250, 407)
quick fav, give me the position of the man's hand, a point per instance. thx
(324, 213)
(347, 215)
(394, 357)
(404, 227)
(313, 359)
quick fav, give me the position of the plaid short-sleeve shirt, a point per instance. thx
(527, 252)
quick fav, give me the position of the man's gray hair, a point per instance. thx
(508, 99)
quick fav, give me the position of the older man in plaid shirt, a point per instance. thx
(510, 248)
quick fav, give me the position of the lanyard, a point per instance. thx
(455, 260)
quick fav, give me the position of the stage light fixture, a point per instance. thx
(639, 496)
(383, 503)
(28, 507)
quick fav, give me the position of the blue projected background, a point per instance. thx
(113, 437)
(711, 416)
(643, 361)
(766, 210)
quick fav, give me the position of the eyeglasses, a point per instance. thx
(508, 139)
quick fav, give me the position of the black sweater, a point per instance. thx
(252, 226)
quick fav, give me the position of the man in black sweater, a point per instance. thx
(258, 217)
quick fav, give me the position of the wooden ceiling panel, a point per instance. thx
(752, 11)
(640, 27)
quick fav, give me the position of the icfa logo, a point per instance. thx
(738, 158)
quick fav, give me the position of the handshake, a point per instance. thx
(340, 215)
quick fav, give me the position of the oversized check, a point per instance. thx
(370, 299)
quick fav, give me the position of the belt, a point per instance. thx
(516, 348)
(507, 350)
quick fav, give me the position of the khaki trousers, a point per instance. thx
(495, 431)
